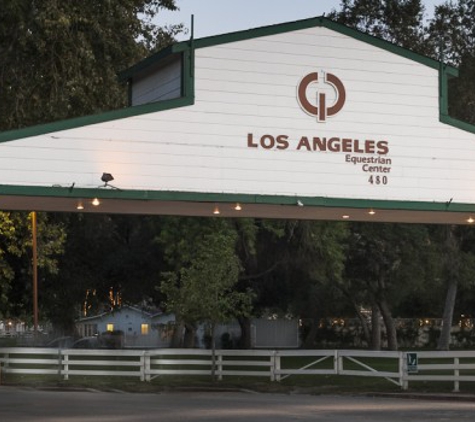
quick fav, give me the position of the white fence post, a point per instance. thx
(276, 367)
(456, 374)
(338, 362)
(404, 383)
(63, 369)
(220, 364)
(147, 367)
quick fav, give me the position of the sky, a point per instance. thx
(213, 17)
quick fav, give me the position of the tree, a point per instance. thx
(315, 265)
(458, 271)
(384, 260)
(204, 291)
(400, 22)
(452, 36)
(60, 59)
(102, 255)
(16, 259)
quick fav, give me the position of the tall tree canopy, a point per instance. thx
(59, 59)
(396, 21)
(16, 259)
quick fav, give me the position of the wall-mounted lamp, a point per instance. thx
(80, 206)
(238, 207)
(107, 177)
(96, 202)
(470, 220)
(371, 212)
(216, 210)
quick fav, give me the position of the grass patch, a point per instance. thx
(320, 384)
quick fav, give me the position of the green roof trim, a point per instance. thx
(94, 119)
(186, 99)
(445, 74)
(165, 54)
(210, 197)
(283, 28)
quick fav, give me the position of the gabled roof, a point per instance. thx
(188, 98)
(120, 310)
(263, 31)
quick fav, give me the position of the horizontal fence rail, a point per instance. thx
(399, 368)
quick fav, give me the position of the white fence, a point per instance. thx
(454, 367)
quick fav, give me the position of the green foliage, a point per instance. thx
(451, 32)
(204, 291)
(101, 253)
(16, 262)
(59, 59)
(398, 21)
(452, 35)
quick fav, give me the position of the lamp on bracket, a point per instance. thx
(106, 178)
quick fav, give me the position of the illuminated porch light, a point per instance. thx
(80, 206)
(345, 217)
(96, 202)
(470, 220)
(371, 212)
(238, 207)
(216, 211)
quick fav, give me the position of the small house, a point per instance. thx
(134, 327)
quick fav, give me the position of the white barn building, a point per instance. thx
(308, 119)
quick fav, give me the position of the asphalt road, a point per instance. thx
(22, 404)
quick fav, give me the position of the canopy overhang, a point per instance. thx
(238, 206)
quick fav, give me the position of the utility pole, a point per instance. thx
(35, 273)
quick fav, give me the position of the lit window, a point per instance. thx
(110, 327)
(145, 329)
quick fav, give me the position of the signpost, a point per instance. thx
(412, 363)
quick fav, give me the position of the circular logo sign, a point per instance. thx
(320, 109)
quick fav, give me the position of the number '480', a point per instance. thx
(378, 180)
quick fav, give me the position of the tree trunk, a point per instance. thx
(389, 323)
(453, 265)
(189, 338)
(447, 319)
(245, 339)
(309, 341)
(375, 327)
(364, 324)
(213, 353)
(177, 339)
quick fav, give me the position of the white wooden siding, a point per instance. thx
(163, 84)
(250, 87)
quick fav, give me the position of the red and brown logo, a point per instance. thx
(320, 109)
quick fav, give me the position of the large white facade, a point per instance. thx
(245, 135)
